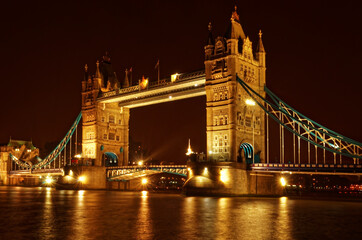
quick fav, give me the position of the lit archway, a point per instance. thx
(110, 159)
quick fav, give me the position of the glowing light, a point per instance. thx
(28, 150)
(189, 150)
(70, 173)
(206, 171)
(250, 102)
(143, 83)
(81, 179)
(210, 152)
(144, 194)
(140, 163)
(196, 85)
(144, 181)
(169, 97)
(174, 77)
(224, 176)
(78, 156)
(188, 169)
(68, 178)
(48, 180)
(282, 181)
(283, 200)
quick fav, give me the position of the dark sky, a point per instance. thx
(313, 62)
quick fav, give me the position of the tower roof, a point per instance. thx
(234, 31)
(19, 143)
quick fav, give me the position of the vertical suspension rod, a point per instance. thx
(324, 150)
(316, 150)
(293, 141)
(267, 138)
(70, 150)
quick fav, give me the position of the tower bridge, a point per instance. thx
(239, 108)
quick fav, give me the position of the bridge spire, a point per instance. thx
(210, 39)
(260, 47)
(126, 82)
(235, 31)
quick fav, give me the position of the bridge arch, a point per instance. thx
(109, 159)
(246, 152)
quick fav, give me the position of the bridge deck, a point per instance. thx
(132, 172)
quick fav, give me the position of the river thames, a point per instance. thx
(46, 213)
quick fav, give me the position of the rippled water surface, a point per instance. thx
(45, 213)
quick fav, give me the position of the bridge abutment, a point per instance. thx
(230, 179)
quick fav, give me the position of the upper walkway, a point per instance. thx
(184, 85)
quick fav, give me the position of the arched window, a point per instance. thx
(222, 121)
(226, 119)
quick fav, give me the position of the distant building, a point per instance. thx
(24, 151)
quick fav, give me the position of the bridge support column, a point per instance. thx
(83, 177)
(230, 179)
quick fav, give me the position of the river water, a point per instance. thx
(46, 213)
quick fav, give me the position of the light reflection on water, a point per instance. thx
(45, 213)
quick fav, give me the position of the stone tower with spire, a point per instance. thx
(230, 120)
(105, 125)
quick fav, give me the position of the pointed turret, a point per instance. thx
(235, 31)
(209, 48)
(210, 39)
(98, 73)
(98, 76)
(260, 51)
(84, 82)
(125, 81)
(260, 47)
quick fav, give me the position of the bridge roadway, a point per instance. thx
(132, 172)
(38, 172)
(125, 173)
(186, 85)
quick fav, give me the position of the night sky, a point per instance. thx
(313, 62)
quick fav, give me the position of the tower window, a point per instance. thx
(111, 136)
(248, 121)
(117, 138)
(105, 136)
(102, 119)
(111, 119)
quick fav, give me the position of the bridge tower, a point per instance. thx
(234, 128)
(105, 125)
